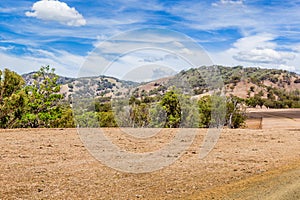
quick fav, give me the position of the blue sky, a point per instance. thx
(64, 33)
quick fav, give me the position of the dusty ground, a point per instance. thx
(273, 118)
(54, 164)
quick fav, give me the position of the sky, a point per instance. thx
(72, 35)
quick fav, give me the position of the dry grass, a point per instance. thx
(54, 164)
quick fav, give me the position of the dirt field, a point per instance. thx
(245, 164)
(273, 118)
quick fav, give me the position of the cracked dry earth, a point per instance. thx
(245, 164)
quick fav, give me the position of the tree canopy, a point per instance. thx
(36, 105)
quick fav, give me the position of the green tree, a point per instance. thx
(12, 98)
(235, 115)
(87, 120)
(107, 119)
(170, 103)
(157, 115)
(65, 119)
(189, 112)
(43, 107)
(139, 115)
(218, 111)
(205, 104)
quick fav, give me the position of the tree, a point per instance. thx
(170, 103)
(218, 111)
(107, 119)
(87, 120)
(12, 98)
(205, 104)
(65, 119)
(235, 116)
(43, 108)
(139, 114)
(158, 116)
(189, 112)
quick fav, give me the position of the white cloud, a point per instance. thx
(7, 10)
(264, 55)
(259, 51)
(54, 10)
(220, 14)
(186, 51)
(262, 40)
(65, 63)
(228, 2)
(148, 73)
(129, 50)
(287, 67)
(6, 48)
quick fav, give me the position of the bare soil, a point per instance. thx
(273, 119)
(245, 164)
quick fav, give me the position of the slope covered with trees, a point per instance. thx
(191, 98)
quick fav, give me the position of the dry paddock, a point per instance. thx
(245, 164)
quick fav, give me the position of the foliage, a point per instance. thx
(216, 111)
(170, 103)
(107, 119)
(87, 120)
(36, 105)
(189, 112)
(40, 104)
(65, 119)
(43, 108)
(205, 104)
(235, 115)
(12, 98)
(139, 114)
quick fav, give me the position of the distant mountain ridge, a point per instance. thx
(238, 81)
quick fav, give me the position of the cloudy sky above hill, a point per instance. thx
(63, 33)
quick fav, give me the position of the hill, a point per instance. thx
(92, 86)
(247, 83)
(241, 82)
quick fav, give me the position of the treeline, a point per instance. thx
(41, 105)
(276, 98)
(170, 110)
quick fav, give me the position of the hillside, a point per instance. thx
(103, 86)
(242, 82)
(238, 81)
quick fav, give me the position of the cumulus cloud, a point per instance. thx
(263, 40)
(264, 55)
(260, 49)
(54, 10)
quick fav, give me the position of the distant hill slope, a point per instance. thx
(92, 86)
(238, 81)
(61, 79)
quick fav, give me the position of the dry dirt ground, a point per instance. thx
(245, 164)
(273, 118)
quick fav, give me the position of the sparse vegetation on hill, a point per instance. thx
(257, 87)
(43, 99)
